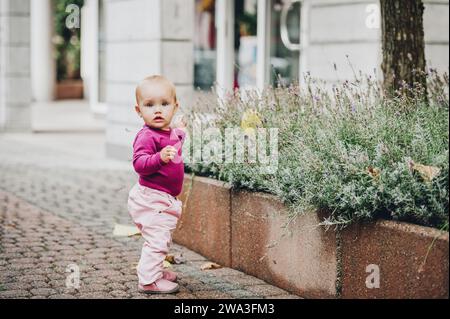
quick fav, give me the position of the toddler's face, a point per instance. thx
(157, 105)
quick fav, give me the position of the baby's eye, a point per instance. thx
(165, 104)
(149, 105)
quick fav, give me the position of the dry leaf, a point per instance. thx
(175, 259)
(250, 121)
(374, 172)
(428, 173)
(167, 264)
(170, 259)
(210, 265)
(125, 230)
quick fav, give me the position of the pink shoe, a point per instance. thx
(170, 275)
(161, 286)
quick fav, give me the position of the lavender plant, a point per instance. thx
(348, 150)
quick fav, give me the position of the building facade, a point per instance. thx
(197, 44)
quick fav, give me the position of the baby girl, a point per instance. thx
(152, 202)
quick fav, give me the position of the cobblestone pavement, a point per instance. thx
(59, 201)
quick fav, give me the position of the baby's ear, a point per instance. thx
(137, 109)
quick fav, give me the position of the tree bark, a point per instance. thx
(403, 45)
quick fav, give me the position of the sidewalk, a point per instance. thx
(65, 116)
(59, 201)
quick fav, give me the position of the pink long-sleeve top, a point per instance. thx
(147, 162)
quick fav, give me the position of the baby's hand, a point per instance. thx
(168, 153)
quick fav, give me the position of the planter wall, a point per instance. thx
(299, 257)
(400, 252)
(205, 224)
(247, 231)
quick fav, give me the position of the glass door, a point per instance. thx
(284, 39)
(205, 55)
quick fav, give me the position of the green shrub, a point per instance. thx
(347, 150)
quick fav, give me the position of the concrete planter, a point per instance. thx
(205, 224)
(251, 232)
(298, 257)
(412, 261)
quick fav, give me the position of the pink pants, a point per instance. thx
(156, 214)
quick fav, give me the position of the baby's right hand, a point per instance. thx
(168, 153)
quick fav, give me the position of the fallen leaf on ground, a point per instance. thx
(175, 259)
(170, 259)
(428, 173)
(125, 230)
(210, 265)
(167, 264)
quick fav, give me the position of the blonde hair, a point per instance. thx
(155, 78)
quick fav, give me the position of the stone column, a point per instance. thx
(225, 46)
(43, 65)
(144, 37)
(15, 88)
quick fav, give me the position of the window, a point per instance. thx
(259, 43)
(245, 43)
(284, 41)
(205, 44)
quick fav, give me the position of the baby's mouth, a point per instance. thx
(158, 118)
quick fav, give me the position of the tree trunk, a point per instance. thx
(403, 46)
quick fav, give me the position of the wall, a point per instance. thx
(436, 34)
(15, 90)
(143, 37)
(340, 28)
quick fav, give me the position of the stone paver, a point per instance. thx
(58, 207)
